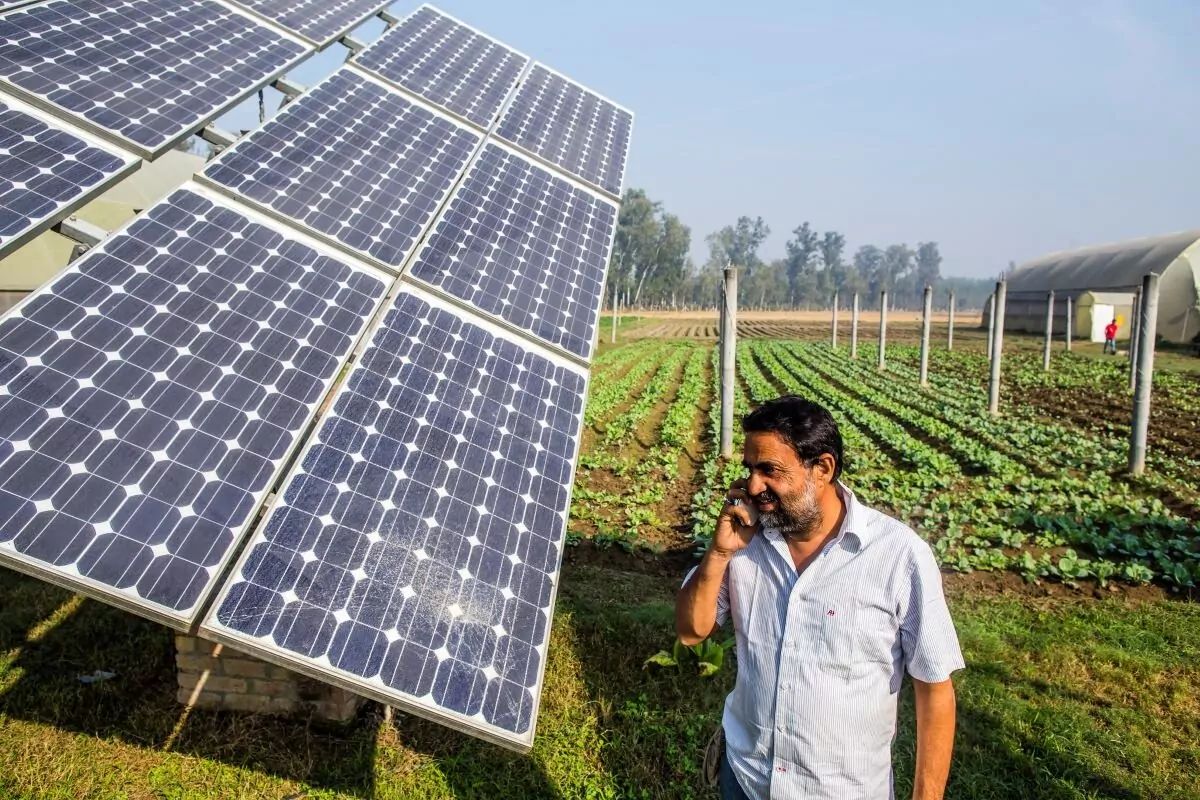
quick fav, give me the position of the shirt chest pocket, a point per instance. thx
(822, 631)
(838, 632)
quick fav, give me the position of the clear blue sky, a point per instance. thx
(1000, 130)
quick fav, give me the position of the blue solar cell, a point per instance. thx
(152, 391)
(353, 160)
(414, 552)
(147, 71)
(526, 246)
(319, 21)
(569, 126)
(47, 171)
(448, 63)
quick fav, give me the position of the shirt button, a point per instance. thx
(780, 728)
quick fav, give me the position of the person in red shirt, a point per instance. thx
(1110, 337)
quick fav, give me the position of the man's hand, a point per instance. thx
(696, 605)
(737, 523)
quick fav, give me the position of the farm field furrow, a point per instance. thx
(608, 392)
(630, 484)
(1093, 449)
(1075, 522)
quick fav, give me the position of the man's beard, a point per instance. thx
(797, 516)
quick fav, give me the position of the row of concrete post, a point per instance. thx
(1141, 351)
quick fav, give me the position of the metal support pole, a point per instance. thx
(1147, 330)
(998, 300)
(729, 349)
(614, 314)
(950, 332)
(991, 312)
(926, 320)
(882, 365)
(1135, 336)
(1049, 331)
(854, 328)
(1070, 321)
(262, 107)
(835, 310)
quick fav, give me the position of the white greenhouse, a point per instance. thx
(1101, 282)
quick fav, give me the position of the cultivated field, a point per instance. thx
(1069, 582)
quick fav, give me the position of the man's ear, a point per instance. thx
(824, 468)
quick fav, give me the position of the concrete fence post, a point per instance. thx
(1148, 329)
(950, 330)
(1070, 321)
(1135, 336)
(835, 319)
(883, 300)
(926, 319)
(854, 328)
(991, 313)
(1049, 331)
(728, 368)
(997, 346)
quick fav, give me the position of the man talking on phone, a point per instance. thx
(831, 602)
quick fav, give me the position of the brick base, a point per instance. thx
(214, 676)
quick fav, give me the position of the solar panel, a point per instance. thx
(321, 22)
(47, 170)
(151, 394)
(448, 63)
(353, 160)
(414, 553)
(523, 245)
(145, 72)
(571, 127)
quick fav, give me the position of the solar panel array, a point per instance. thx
(525, 246)
(148, 72)
(150, 395)
(319, 21)
(447, 63)
(47, 171)
(571, 127)
(353, 160)
(416, 545)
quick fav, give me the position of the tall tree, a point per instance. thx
(929, 265)
(868, 263)
(738, 244)
(833, 272)
(801, 269)
(897, 268)
(637, 234)
(650, 248)
(668, 266)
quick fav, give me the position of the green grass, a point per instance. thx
(1061, 699)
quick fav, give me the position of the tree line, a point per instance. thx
(651, 267)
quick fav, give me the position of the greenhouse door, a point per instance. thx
(1101, 316)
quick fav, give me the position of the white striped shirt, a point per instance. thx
(821, 654)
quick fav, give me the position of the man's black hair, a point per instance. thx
(805, 425)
